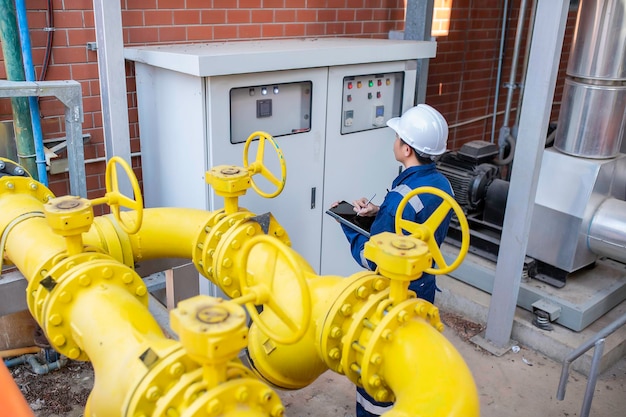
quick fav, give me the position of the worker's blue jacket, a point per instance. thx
(418, 210)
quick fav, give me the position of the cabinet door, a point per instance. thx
(280, 104)
(359, 146)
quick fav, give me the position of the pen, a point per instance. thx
(368, 202)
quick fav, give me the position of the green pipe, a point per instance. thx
(9, 36)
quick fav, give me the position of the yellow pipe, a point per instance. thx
(427, 374)
(115, 336)
(165, 232)
(120, 319)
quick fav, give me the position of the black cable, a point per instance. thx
(50, 29)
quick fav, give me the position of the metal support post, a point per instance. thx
(110, 47)
(545, 52)
(418, 25)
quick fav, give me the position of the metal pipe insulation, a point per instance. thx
(607, 230)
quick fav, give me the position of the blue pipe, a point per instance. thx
(38, 368)
(29, 71)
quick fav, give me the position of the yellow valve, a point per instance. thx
(262, 291)
(259, 167)
(70, 216)
(115, 199)
(231, 182)
(213, 331)
(426, 230)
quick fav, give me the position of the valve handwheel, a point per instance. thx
(115, 199)
(426, 231)
(259, 167)
(261, 293)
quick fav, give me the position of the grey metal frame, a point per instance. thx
(596, 342)
(543, 66)
(112, 75)
(70, 94)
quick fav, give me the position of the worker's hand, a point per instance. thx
(364, 208)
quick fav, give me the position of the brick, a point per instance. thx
(249, 31)
(274, 4)
(69, 19)
(170, 4)
(238, 16)
(354, 4)
(78, 4)
(89, 19)
(295, 30)
(36, 20)
(80, 37)
(305, 16)
(69, 55)
(346, 15)
(88, 71)
(336, 28)
(272, 30)
(213, 17)
(224, 32)
(172, 34)
(262, 16)
(315, 29)
(364, 14)
(371, 27)
(354, 28)
(141, 4)
(316, 4)
(295, 4)
(250, 4)
(59, 39)
(380, 14)
(222, 4)
(142, 35)
(132, 18)
(326, 15)
(285, 16)
(158, 17)
(186, 17)
(200, 33)
(336, 4)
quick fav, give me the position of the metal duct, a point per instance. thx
(606, 232)
(592, 119)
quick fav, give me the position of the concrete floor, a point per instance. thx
(512, 385)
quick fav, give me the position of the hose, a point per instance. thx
(509, 158)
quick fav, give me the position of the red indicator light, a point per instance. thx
(349, 86)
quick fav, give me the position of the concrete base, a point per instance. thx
(480, 341)
(473, 304)
(587, 295)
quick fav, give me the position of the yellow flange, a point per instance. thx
(354, 298)
(398, 257)
(372, 355)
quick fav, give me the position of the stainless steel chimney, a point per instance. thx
(592, 119)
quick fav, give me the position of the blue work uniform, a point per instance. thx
(418, 209)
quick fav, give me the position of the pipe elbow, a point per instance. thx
(428, 375)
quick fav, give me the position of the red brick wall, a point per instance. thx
(462, 77)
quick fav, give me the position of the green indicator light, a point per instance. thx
(371, 83)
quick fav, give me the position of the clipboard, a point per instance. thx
(345, 214)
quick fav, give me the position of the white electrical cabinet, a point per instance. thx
(324, 100)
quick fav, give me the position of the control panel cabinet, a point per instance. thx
(326, 102)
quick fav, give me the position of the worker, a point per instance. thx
(421, 135)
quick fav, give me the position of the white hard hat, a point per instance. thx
(422, 128)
